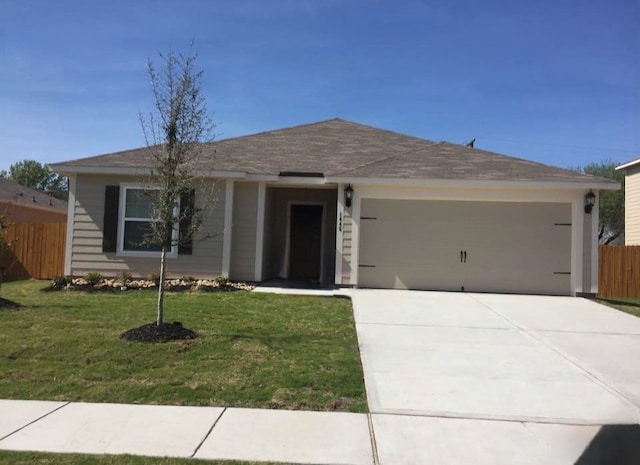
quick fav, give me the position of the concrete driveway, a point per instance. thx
(527, 369)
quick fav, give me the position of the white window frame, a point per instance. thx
(124, 187)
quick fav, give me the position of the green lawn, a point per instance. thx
(38, 458)
(254, 350)
(630, 306)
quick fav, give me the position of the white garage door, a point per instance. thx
(471, 246)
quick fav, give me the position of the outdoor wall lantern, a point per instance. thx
(589, 202)
(348, 195)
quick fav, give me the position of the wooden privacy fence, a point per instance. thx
(35, 250)
(619, 271)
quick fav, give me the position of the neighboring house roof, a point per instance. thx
(343, 149)
(629, 164)
(19, 195)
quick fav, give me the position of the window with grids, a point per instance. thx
(137, 221)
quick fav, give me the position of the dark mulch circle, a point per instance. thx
(154, 333)
(6, 303)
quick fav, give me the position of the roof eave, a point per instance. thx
(630, 164)
(67, 170)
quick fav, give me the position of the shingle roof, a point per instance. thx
(12, 192)
(342, 148)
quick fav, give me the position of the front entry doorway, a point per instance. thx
(305, 242)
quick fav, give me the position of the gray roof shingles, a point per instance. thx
(14, 193)
(342, 148)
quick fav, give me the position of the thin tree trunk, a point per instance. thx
(160, 320)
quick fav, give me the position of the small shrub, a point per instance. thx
(124, 276)
(188, 279)
(93, 278)
(221, 281)
(58, 282)
(155, 277)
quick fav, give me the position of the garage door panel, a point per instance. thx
(408, 278)
(510, 247)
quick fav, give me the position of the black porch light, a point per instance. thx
(348, 195)
(589, 202)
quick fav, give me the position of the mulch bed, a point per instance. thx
(164, 333)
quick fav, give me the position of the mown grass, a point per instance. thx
(630, 306)
(254, 350)
(40, 458)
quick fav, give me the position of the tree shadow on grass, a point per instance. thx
(6, 304)
(268, 341)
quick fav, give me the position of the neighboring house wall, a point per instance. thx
(22, 214)
(632, 206)
(87, 255)
(244, 228)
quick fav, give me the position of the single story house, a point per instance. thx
(21, 204)
(631, 201)
(347, 204)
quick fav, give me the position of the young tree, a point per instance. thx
(34, 174)
(174, 133)
(611, 226)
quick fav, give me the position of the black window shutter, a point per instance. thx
(110, 223)
(187, 206)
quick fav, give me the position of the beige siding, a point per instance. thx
(87, 255)
(347, 235)
(243, 241)
(632, 207)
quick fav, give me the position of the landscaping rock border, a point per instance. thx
(171, 285)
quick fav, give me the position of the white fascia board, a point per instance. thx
(289, 180)
(476, 183)
(474, 194)
(262, 177)
(71, 169)
(630, 164)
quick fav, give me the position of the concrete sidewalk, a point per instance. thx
(283, 436)
(198, 432)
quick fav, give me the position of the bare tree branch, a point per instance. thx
(174, 133)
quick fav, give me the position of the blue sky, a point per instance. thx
(552, 81)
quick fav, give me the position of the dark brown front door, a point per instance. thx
(305, 242)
